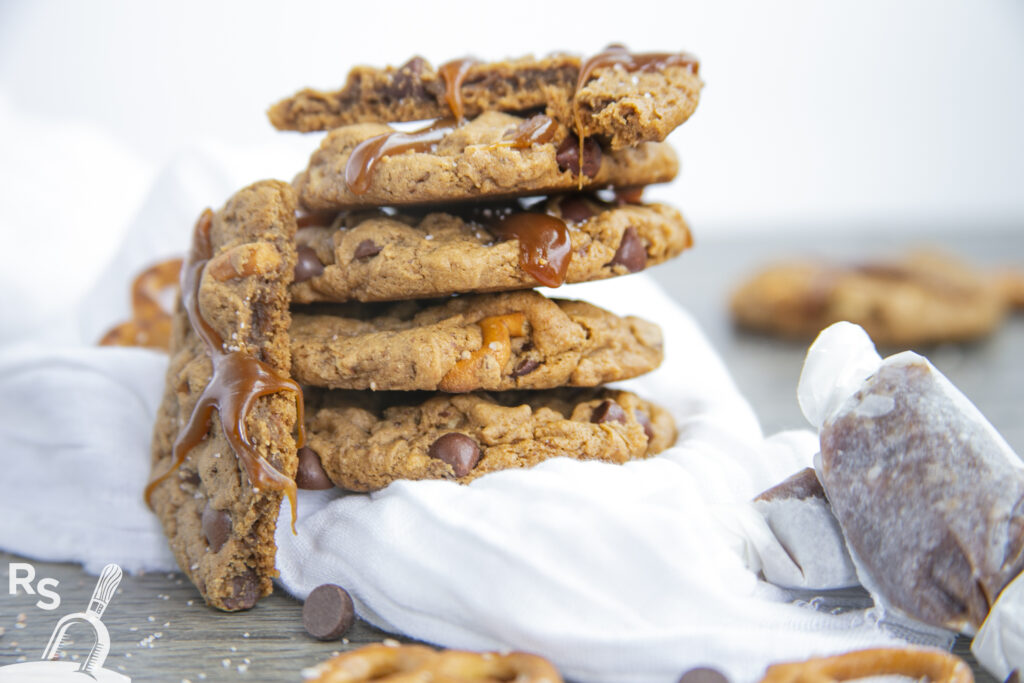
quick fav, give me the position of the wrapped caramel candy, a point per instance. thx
(930, 498)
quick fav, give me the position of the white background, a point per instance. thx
(816, 116)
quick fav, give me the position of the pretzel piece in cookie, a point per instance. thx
(935, 665)
(395, 663)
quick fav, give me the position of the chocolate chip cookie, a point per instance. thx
(224, 453)
(491, 156)
(366, 440)
(620, 97)
(924, 298)
(494, 342)
(382, 256)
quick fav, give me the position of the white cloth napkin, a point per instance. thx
(616, 573)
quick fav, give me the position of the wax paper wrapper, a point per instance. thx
(929, 496)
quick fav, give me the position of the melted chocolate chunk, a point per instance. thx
(525, 367)
(575, 209)
(308, 264)
(366, 249)
(458, 450)
(632, 254)
(407, 82)
(190, 477)
(645, 422)
(245, 591)
(310, 475)
(608, 411)
(568, 156)
(328, 612)
(216, 527)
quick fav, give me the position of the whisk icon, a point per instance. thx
(109, 579)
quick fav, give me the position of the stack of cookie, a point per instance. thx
(394, 281)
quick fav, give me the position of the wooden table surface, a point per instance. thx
(161, 631)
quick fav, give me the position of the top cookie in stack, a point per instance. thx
(393, 280)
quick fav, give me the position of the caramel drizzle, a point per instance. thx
(618, 55)
(150, 325)
(238, 379)
(544, 245)
(454, 74)
(366, 155)
(536, 130)
(496, 334)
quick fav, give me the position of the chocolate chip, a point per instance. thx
(645, 422)
(216, 527)
(703, 675)
(458, 450)
(629, 195)
(568, 156)
(608, 411)
(366, 249)
(407, 81)
(245, 591)
(575, 209)
(308, 264)
(310, 474)
(328, 612)
(525, 367)
(631, 252)
(189, 477)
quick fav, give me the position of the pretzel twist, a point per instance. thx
(418, 663)
(150, 325)
(938, 666)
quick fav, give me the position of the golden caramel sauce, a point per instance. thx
(496, 334)
(237, 380)
(544, 245)
(366, 155)
(454, 74)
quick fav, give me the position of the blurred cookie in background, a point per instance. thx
(925, 297)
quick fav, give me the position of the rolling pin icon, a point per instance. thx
(110, 577)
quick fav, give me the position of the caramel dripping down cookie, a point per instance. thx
(619, 97)
(218, 484)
